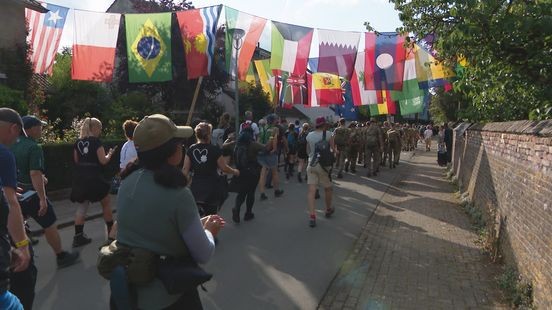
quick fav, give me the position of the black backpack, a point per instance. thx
(323, 153)
(241, 159)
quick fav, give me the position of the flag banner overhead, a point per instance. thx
(430, 72)
(252, 27)
(337, 52)
(348, 110)
(384, 65)
(149, 47)
(94, 44)
(45, 31)
(291, 89)
(290, 48)
(361, 96)
(325, 89)
(198, 28)
(411, 98)
(266, 78)
(386, 106)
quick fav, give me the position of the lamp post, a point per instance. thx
(237, 36)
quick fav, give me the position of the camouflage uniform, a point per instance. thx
(373, 142)
(395, 146)
(386, 149)
(354, 147)
(341, 138)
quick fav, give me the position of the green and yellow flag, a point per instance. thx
(149, 47)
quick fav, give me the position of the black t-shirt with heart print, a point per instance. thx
(86, 150)
(204, 159)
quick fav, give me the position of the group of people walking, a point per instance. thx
(175, 179)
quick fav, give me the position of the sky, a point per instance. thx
(344, 15)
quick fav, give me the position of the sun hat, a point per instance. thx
(157, 129)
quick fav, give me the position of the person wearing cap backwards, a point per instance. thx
(30, 166)
(318, 175)
(157, 211)
(11, 218)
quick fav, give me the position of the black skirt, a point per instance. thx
(89, 184)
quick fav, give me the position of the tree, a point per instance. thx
(253, 98)
(506, 45)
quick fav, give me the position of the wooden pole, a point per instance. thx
(194, 100)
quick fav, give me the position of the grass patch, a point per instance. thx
(517, 291)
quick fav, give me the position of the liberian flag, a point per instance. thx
(198, 28)
(45, 31)
(325, 89)
(253, 27)
(337, 52)
(361, 96)
(385, 56)
(94, 43)
(290, 48)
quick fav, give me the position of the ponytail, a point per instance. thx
(85, 128)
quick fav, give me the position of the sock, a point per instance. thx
(109, 226)
(79, 229)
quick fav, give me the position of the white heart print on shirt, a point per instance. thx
(82, 146)
(200, 156)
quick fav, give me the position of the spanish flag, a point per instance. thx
(325, 89)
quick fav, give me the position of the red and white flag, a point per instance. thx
(45, 31)
(94, 43)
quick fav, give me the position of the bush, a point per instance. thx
(58, 158)
(10, 98)
(516, 290)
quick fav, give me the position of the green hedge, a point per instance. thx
(59, 164)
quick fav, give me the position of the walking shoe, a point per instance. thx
(312, 222)
(329, 212)
(66, 259)
(80, 240)
(340, 175)
(263, 196)
(369, 174)
(317, 194)
(278, 193)
(235, 215)
(248, 216)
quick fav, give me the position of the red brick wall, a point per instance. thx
(507, 167)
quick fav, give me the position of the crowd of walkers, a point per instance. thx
(174, 180)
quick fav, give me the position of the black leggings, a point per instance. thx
(248, 197)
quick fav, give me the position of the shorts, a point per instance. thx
(318, 176)
(268, 160)
(30, 207)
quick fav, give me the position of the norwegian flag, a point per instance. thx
(45, 31)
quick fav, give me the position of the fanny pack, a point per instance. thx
(180, 276)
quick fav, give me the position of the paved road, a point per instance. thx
(274, 262)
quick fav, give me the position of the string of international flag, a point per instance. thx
(385, 73)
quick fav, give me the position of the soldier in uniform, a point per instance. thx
(373, 142)
(354, 147)
(341, 139)
(386, 150)
(394, 145)
(361, 128)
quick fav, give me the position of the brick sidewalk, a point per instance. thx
(417, 251)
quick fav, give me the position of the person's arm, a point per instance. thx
(16, 230)
(75, 157)
(223, 166)
(37, 178)
(199, 241)
(104, 158)
(187, 166)
(332, 144)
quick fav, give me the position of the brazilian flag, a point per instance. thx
(149, 47)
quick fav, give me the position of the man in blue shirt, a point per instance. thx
(11, 219)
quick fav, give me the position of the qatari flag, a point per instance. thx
(337, 52)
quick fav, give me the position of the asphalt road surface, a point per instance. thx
(273, 262)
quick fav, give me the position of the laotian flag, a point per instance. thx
(385, 57)
(198, 28)
(95, 41)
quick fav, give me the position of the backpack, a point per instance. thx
(323, 153)
(291, 139)
(264, 134)
(245, 125)
(341, 136)
(302, 140)
(372, 137)
(241, 159)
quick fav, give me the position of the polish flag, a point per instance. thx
(94, 46)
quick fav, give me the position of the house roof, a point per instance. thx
(33, 5)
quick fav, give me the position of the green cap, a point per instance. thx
(156, 130)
